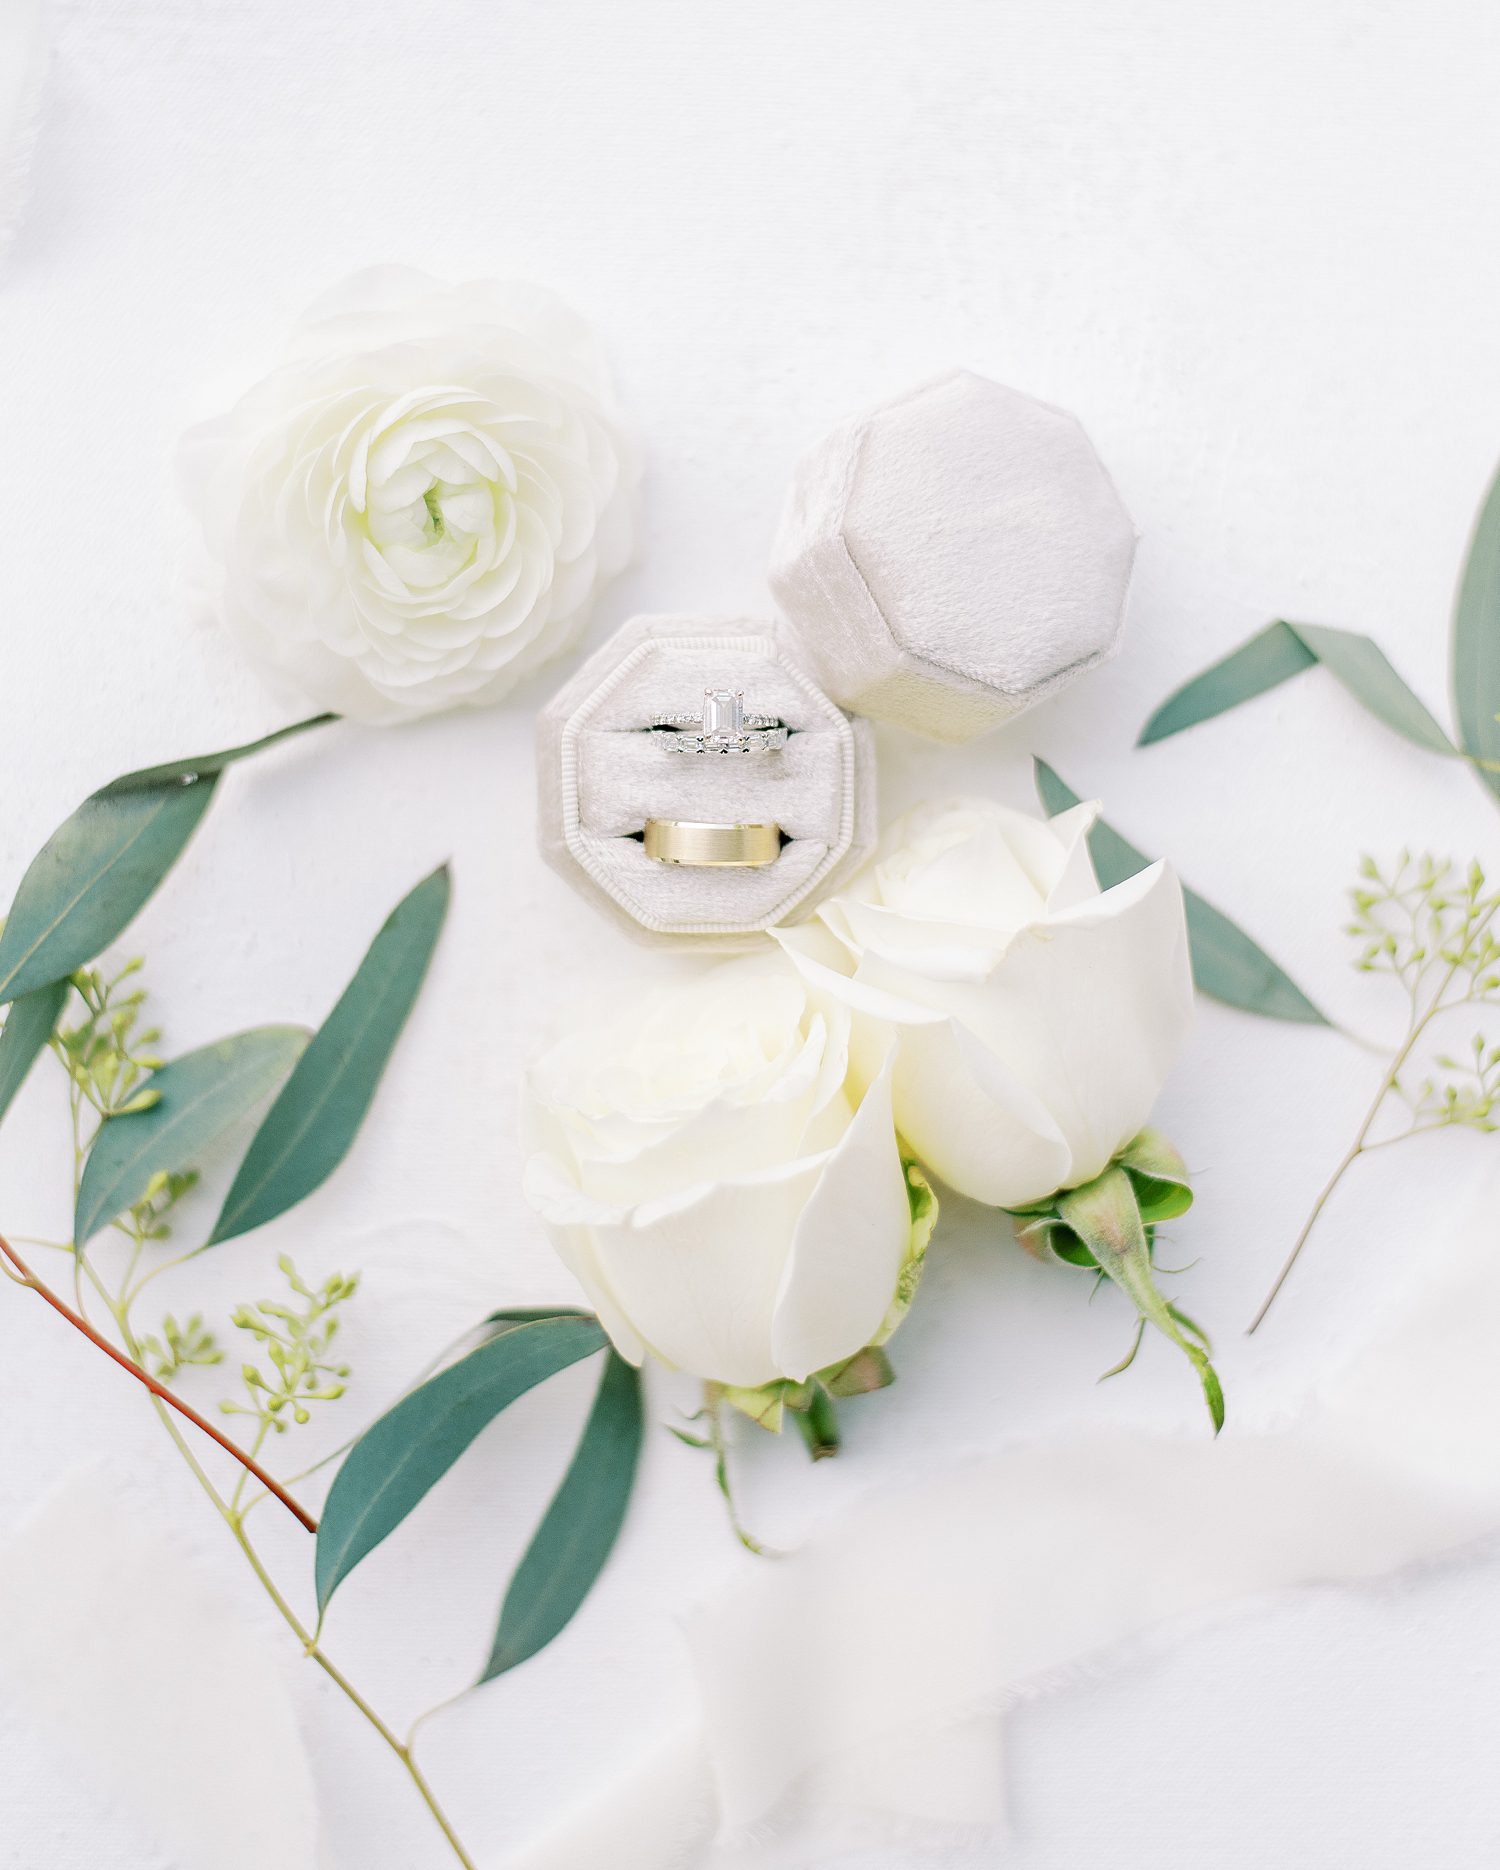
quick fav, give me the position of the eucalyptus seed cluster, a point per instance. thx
(1432, 927)
(105, 1056)
(147, 1220)
(109, 1057)
(178, 1346)
(1470, 1095)
(297, 1339)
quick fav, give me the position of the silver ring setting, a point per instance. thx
(723, 727)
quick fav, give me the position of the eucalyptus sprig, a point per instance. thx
(296, 1340)
(1283, 650)
(1431, 926)
(141, 1125)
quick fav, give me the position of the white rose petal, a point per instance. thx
(415, 509)
(707, 1176)
(701, 1282)
(849, 1247)
(1034, 1017)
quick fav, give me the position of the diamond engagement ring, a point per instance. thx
(723, 727)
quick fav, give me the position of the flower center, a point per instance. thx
(438, 511)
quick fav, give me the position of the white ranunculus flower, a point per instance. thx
(1035, 1017)
(703, 1172)
(414, 509)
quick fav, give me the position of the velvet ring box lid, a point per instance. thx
(602, 773)
(953, 556)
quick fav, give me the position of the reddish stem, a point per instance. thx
(159, 1390)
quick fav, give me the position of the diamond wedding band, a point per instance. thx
(723, 727)
(712, 847)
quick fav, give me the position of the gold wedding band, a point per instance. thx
(712, 847)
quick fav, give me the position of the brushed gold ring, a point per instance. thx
(712, 847)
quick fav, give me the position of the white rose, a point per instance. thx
(703, 1172)
(1036, 1018)
(414, 510)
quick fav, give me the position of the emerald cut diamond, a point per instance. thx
(722, 727)
(723, 714)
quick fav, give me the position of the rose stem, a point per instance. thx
(159, 1390)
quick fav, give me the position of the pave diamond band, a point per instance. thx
(753, 740)
(723, 727)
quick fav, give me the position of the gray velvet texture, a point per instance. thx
(601, 774)
(953, 557)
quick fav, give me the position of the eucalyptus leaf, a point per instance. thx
(99, 867)
(1227, 965)
(92, 876)
(403, 1455)
(1231, 968)
(1476, 644)
(309, 1129)
(1363, 668)
(580, 1526)
(1272, 656)
(210, 765)
(496, 1322)
(29, 1024)
(199, 1097)
(1280, 651)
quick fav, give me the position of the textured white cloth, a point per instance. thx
(953, 557)
(154, 1686)
(22, 70)
(854, 1692)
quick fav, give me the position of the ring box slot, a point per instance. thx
(603, 773)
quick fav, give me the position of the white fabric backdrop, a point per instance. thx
(23, 66)
(1255, 255)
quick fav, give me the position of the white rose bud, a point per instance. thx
(1036, 1017)
(706, 1176)
(414, 510)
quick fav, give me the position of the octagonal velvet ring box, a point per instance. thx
(953, 557)
(602, 772)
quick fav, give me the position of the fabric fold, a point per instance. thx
(156, 1688)
(856, 1690)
